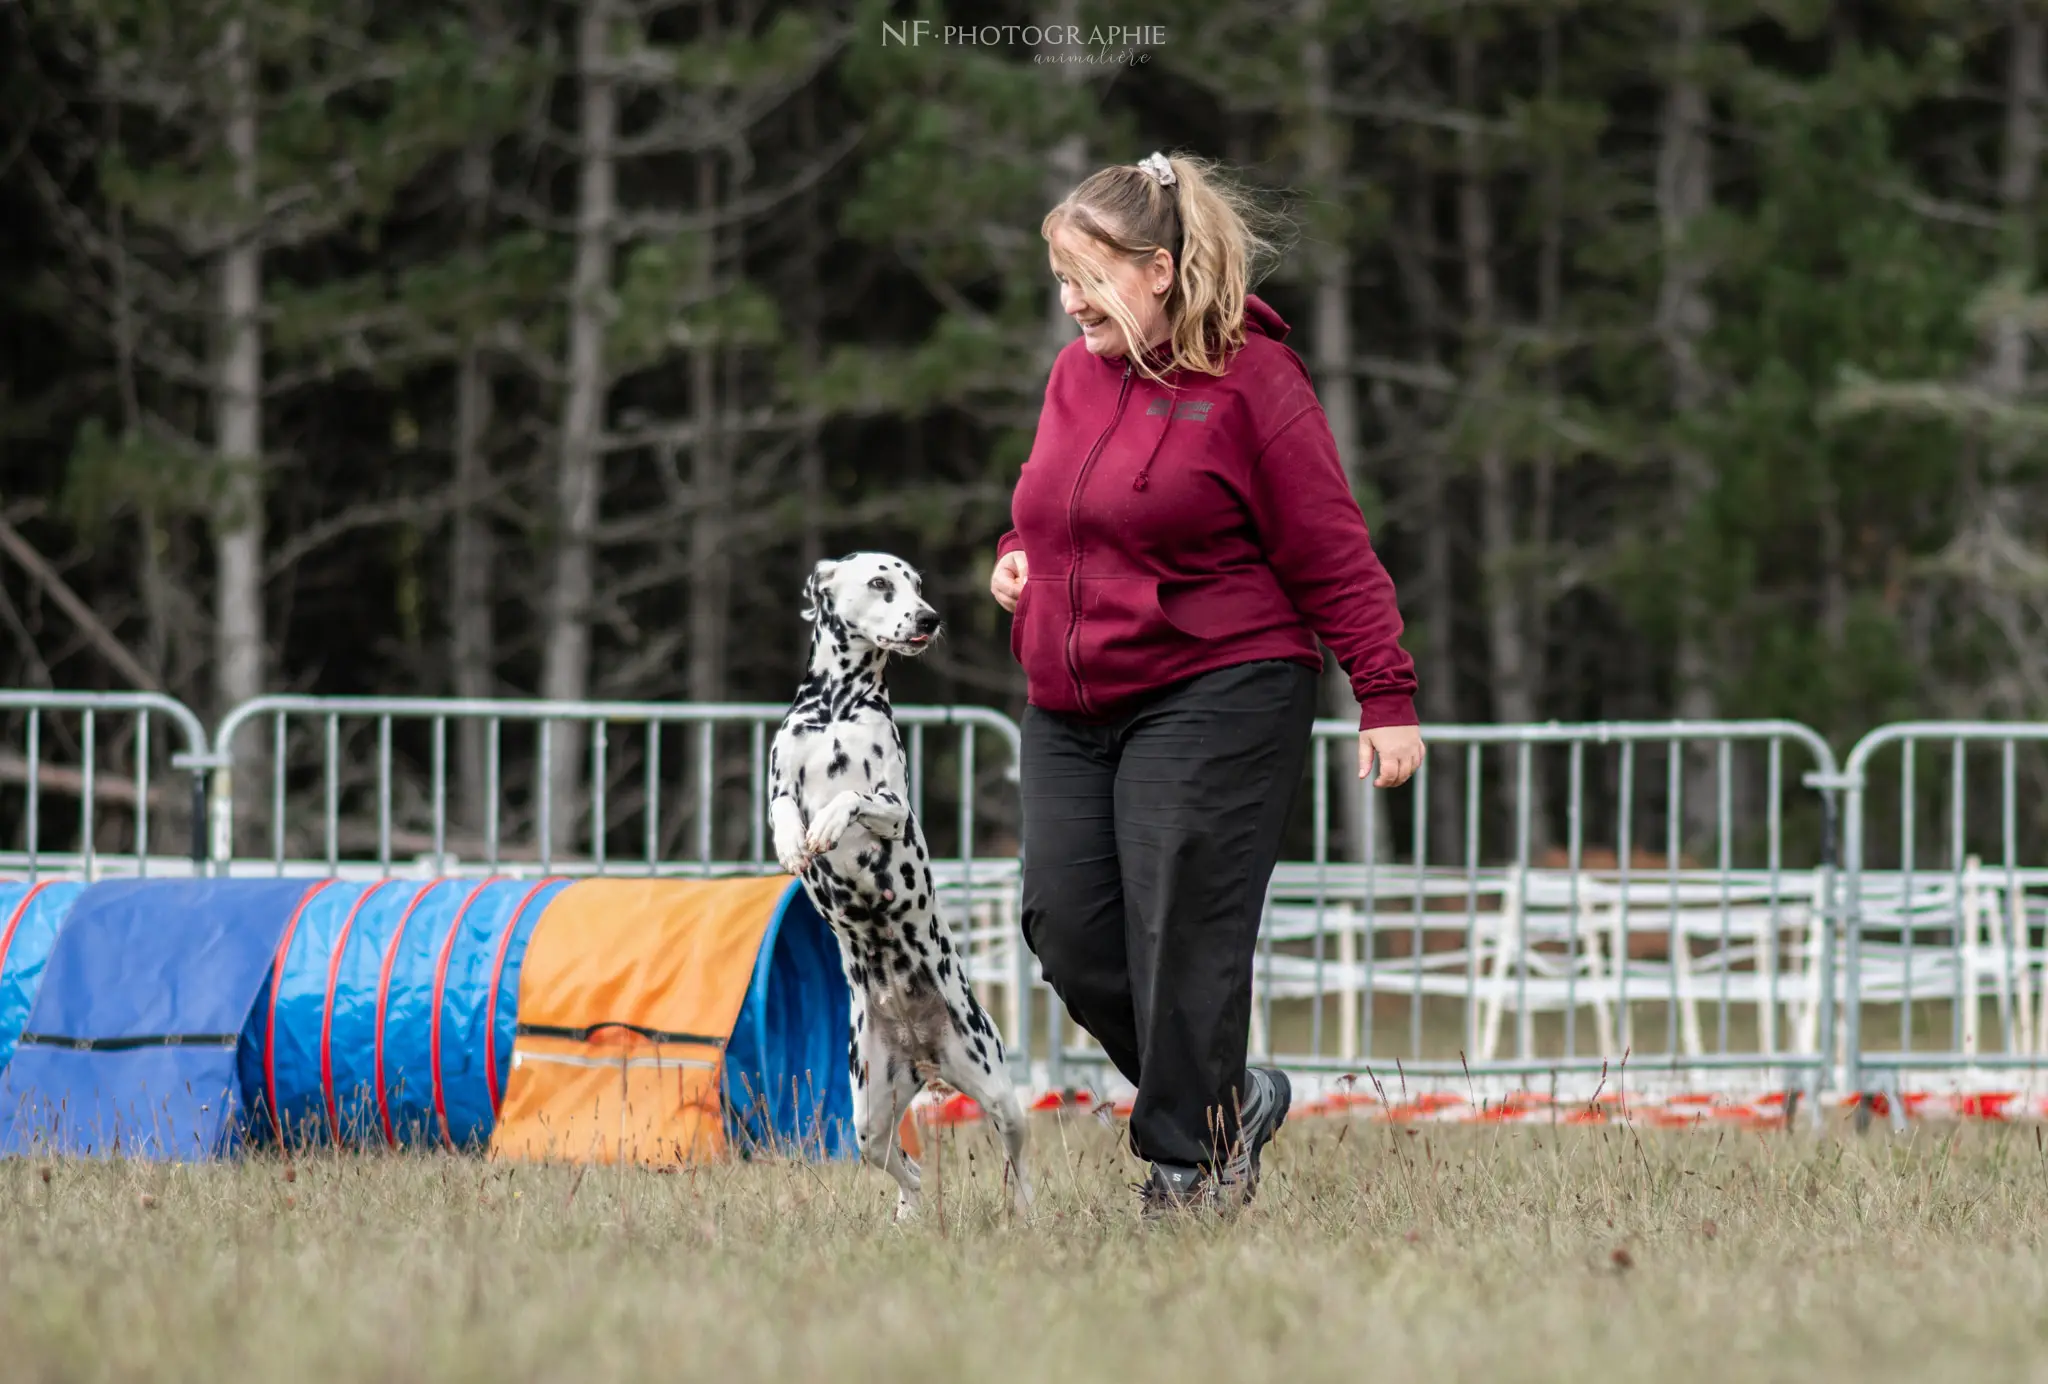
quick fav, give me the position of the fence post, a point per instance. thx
(1838, 924)
(201, 835)
(1852, 923)
(208, 856)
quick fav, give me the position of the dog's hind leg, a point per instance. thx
(987, 1083)
(882, 1092)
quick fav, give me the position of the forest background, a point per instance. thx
(1680, 352)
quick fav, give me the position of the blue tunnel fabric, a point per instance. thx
(30, 916)
(786, 1084)
(379, 981)
(131, 1041)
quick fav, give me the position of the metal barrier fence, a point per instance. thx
(1636, 903)
(1946, 962)
(1641, 941)
(377, 786)
(102, 754)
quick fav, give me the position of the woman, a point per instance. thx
(1183, 535)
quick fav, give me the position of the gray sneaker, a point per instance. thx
(1268, 1095)
(1172, 1188)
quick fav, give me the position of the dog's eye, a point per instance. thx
(879, 584)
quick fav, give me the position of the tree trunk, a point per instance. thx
(2000, 523)
(1507, 622)
(238, 434)
(1436, 597)
(471, 553)
(2019, 180)
(1325, 159)
(238, 521)
(1684, 316)
(1550, 316)
(1833, 554)
(565, 672)
(1065, 165)
(810, 349)
(711, 479)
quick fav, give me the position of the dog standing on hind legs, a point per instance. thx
(839, 807)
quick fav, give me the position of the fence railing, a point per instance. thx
(1641, 902)
(100, 776)
(1947, 965)
(418, 785)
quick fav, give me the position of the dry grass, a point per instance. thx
(1374, 1255)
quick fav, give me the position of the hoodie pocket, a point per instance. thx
(1225, 607)
(1123, 625)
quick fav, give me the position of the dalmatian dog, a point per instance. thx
(839, 807)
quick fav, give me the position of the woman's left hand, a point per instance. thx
(1400, 753)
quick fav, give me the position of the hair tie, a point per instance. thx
(1155, 166)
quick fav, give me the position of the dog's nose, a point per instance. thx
(928, 622)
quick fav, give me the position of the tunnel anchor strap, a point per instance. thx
(140, 1040)
(652, 1035)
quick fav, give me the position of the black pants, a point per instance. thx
(1148, 844)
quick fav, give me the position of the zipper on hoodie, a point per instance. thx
(1074, 542)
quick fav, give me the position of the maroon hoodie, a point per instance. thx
(1176, 530)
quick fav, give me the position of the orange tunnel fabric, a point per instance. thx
(627, 1001)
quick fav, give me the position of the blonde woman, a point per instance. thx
(1183, 536)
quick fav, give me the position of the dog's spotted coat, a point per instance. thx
(838, 803)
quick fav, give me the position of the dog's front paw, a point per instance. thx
(790, 852)
(786, 825)
(830, 824)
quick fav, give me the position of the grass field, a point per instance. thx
(1373, 1254)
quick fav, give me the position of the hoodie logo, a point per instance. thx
(1186, 411)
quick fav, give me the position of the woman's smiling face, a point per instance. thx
(1139, 286)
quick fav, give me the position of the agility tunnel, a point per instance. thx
(183, 1019)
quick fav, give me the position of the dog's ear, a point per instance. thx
(814, 588)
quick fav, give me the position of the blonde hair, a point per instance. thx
(1221, 239)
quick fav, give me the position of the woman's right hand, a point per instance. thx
(1006, 583)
